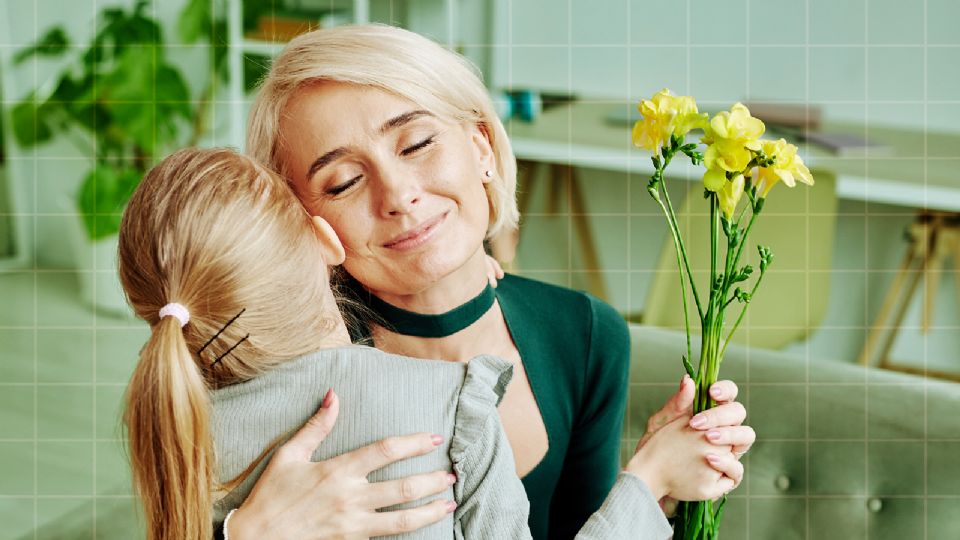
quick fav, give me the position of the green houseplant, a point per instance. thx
(124, 105)
(120, 100)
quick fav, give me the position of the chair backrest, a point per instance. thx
(797, 224)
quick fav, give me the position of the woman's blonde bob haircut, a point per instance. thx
(396, 61)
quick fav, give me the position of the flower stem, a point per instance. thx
(742, 313)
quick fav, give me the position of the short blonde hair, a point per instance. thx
(396, 61)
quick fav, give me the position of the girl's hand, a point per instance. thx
(297, 498)
(677, 461)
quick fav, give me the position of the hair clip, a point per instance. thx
(215, 336)
(235, 345)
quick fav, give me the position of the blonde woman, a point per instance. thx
(222, 261)
(393, 140)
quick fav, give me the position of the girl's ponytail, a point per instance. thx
(168, 419)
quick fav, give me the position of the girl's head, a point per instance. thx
(395, 61)
(222, 236)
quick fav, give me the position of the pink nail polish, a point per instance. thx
(327, 398)
(698, 422)
(713, 435)
(437, 440)
(715, 392)
(712, 457)
(451, 479)
(451, 506)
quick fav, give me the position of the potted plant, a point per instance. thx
(125, 106)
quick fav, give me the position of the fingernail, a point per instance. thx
(451, 479)
(698, 422)
(712, 457)
(683, 380)
(451, 506)
(436, 439)
(715, 392)
(713, 435)
(327, 398)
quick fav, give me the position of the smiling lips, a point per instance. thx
(418, 235)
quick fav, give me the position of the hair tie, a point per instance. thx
(179, 311)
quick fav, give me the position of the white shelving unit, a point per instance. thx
(427, 10)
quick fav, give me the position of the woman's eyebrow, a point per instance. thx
(402, 119)
(337, 153)
(324, 160)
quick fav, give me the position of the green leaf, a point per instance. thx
(194, 21)
(103, 195)
(688, 366)
(53, 43)
(30, 122)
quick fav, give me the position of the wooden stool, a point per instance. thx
(934, 238)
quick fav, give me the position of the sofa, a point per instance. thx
(842, 451)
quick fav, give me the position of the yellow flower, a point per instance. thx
(730, 137)
(665, 115)
(730, 195)
(714, 179)
(787, 166)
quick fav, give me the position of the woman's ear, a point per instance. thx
(333, 252)
(480, 137)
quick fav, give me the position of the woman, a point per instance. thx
(212, 253)
(394, 141)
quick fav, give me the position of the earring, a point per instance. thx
(488, 173)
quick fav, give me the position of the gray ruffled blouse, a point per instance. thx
(383, 395)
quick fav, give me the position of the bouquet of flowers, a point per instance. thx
(740, 170)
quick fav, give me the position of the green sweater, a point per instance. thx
(576, 351)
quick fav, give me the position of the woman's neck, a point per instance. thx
(487, 335)
(339, 336)
(450, 291)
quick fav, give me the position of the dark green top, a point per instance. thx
(576, 352)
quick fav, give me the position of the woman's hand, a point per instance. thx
(678, 462)
(722, 424)
(297, 498)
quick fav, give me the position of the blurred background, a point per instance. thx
(95, 92)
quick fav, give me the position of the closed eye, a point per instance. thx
(340, 188)
(416, 147)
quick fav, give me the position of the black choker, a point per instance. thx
(410, 323)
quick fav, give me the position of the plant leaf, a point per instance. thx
(30, 122)
(53, 43)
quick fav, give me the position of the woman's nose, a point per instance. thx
(400, 193)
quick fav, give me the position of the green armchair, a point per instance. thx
(842, 451)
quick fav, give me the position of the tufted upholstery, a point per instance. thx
(843, 452)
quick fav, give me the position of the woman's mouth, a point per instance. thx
(417, 236)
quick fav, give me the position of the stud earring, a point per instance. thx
(488, 173)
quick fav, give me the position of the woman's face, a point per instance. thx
(402, 187)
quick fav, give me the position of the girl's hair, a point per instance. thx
(396, 61)
(221, 235)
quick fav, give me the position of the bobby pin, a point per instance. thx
(235, 345)
(220, 331)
